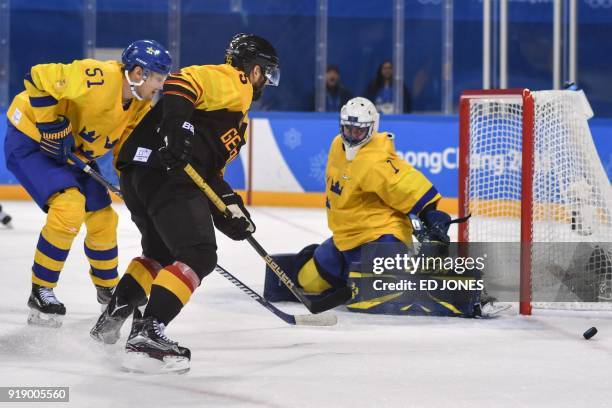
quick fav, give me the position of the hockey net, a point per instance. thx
(529, 172)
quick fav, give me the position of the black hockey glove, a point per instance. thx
(239, 226)
(177, 151)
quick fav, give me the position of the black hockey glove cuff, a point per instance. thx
(178, 145)
(239, 226)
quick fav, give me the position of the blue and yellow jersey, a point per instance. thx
(371, 195)
(88, 92)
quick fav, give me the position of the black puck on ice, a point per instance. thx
(590, 333)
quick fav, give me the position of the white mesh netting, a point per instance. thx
(572, 198)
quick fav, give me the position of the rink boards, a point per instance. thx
(285, 158)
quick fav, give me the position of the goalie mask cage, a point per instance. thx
(529, 172)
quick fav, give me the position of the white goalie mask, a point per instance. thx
(358, 123)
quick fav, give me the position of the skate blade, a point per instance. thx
(141, 363)
(491, 310)
(37, 318)
(105, 338)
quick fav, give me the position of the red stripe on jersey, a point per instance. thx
(180, 82)
(189, 98)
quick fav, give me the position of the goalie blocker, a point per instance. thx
(394, 291)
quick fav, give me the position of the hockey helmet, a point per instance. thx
(358, 121)
(148, 54)
(247, 50)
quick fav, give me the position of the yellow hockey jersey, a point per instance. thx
(371, 195)
(221, 96)
(88, 92)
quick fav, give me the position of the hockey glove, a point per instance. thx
(431, 226)
(437, 224)
(56, 140)
(239, 226)
(177, 151)
(431, 230)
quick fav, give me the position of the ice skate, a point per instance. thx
(45, 309)
(149, 351)
(108, 327)
(104, 295)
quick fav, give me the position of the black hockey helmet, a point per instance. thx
(247, 50)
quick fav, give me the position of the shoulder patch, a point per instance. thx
(390, 136)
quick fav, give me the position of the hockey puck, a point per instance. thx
(590, 333)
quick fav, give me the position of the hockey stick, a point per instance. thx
(337, 298)
(325, 319)
(94, 174)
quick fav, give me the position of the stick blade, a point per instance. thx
(324, 319)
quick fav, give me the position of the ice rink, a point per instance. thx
(244, 356)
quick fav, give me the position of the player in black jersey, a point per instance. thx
(201, 120)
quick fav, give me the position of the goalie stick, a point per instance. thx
(337, 298)
(325, 319)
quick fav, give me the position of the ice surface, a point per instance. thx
(245, 356)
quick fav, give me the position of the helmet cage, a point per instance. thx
(355, 132)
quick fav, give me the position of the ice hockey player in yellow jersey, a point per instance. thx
(370, 195)
(81, 108)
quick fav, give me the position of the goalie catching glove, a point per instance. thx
(239, 226)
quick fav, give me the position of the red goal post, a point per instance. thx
(527, 166)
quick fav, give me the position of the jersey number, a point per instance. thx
(92, 73)
(396, 170)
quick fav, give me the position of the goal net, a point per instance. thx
(529, 174)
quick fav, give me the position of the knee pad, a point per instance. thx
(64, 218)
(202, 258)
(311, 278)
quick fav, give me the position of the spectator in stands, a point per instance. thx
(380, 90)
(336, 94)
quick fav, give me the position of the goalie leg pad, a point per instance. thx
(310, 269)
(449, 295)
(274, 289)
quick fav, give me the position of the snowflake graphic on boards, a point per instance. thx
(292, 138)
(318, 162)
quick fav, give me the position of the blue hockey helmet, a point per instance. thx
(148, 54)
